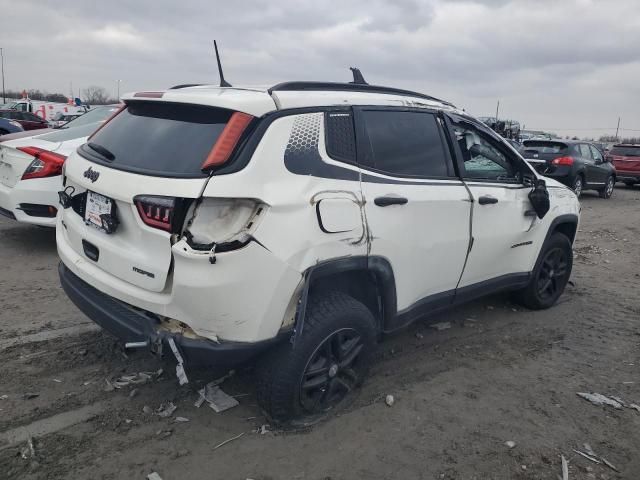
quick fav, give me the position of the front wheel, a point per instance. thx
(302, 383)
(578, 185)
(551, 274)
(607, 191)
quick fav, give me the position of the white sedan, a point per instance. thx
(31, 168)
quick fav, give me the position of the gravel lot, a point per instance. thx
(499, 374)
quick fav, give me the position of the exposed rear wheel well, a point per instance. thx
(361, 285)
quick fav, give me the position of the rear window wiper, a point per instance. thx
(102, 151)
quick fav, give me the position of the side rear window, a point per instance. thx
(585, 152)
(340, 137)
(158, 138)
(406, 143)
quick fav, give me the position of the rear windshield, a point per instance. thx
(164, 139)
(626, 151)
(545, 147)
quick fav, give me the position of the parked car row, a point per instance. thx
(626, 159)
(576, 164)
(31, 167)
(174, 225)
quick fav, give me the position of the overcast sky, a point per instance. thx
(572, 66)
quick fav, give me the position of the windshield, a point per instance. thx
(64, 134)
(97, 114)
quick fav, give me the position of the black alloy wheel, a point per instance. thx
(332, 371)
(553, 274)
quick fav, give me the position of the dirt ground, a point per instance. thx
(499, 374)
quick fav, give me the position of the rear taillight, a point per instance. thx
(44, 164)
(228, 140)
(157, 212)
(562, 161)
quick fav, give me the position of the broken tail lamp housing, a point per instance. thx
(223, 224)
(44, 164)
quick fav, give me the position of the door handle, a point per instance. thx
(487, 200)
(386, 201)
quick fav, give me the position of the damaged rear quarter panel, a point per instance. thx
(291, 230)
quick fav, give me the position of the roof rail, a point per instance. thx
(350, 87)
(185, 85)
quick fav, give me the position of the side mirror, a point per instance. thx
(539, 198)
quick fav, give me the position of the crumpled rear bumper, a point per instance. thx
(133, 325)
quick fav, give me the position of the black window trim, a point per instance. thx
(363, 146)
(326, 114)
(496, 141)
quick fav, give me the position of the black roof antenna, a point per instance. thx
(358, 79)
(223, 82)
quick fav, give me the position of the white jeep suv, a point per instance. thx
(296, 224)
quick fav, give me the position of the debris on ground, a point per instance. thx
(634, 406)
(229, 440)
(565, 468)
(215, 397)
(29, 396)
(133, 379)
(29, 451)
(589, 454)
(389, 400)
(599, 399)
(263, 429)
(4, 397)
(164, 433)
(133, 393)
(147, 409)
(57, 380)
(181, 419)
(165, 409)
(180, 372)
(154, 476)
(510, 444)
(441, 326)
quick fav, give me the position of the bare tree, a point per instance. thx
(95, 95)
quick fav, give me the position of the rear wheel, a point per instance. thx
(607, 191)
(3, 131)
(550, 277)
(629, 184)
(578, 185)
(302, 383)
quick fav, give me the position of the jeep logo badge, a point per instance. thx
(91, 175)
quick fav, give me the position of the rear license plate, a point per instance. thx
(97, 205)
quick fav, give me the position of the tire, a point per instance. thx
(630, 184)
(550, 276)
(300, 384)
(607, 191)
(3, 131)
(578, 185)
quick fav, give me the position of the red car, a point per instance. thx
(29, 121)
(626, 159)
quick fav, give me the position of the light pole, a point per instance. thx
(2, 58)
(118, 95)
